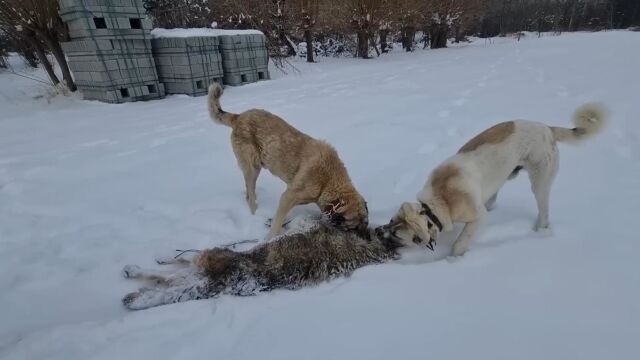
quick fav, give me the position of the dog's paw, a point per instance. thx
(268, 238)
(544, 232)
(541, 227)
(285, 224)
(131, 301)
(459, 250)
(453, 259)
(131, 271)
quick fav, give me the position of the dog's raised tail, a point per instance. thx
(215, 110)
(589, 120)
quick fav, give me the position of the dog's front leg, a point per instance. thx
(461, 245)
(287, 201)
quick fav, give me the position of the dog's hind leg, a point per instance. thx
(147, 298)
(541, 176)
(250, 179)
(249, 162)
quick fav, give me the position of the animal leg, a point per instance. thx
(147, 298)
(249, 162)
(541, 177)
(461, 245)
(287, 202)
(153, 276)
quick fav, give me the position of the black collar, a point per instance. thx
(426, 210)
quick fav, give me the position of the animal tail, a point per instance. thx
(215, 110)
(589, 119)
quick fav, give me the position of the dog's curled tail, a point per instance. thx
(589, 120)
(215, 110)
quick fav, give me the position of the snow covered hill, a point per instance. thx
(86, 188)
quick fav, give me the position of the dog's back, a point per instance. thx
(259, 134)
(490, 158)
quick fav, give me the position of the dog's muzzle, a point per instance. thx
(383, 232)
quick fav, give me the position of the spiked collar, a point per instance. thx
(426, 210)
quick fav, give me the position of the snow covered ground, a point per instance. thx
(86, 188)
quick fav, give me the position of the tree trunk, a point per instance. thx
(363, 44)
(539, 23)
(459, 34)
(504, 5)
(408, 33)
(438, 35)
(57, 52)
(283, 38)
(308, 37)
(29, 55)
(426, 38)
(372, 43)
(42, 57)
(383, 40)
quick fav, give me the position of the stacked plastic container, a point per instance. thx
(189, 60)
(188, 65)
(244, 58)
(110, 52)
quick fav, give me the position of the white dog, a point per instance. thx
(465, 186)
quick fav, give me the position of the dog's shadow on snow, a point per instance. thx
(508, 224)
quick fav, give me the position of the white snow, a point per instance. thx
(194, 32)
(86, 188)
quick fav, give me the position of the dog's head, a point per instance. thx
(348, 213)
(409, 226)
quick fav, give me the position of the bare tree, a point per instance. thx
(178, 13)
(307, 11)
(365, 17)
(274, 18)
(4, 50)
(38, 22)
(11, 43)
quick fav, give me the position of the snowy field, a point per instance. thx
(86, 188)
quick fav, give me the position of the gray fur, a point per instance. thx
(289, 262)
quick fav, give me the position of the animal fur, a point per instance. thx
(289, 262)
(465, 186)
(311, 168)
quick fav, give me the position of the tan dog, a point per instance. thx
(311, 168)
(465, 187)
